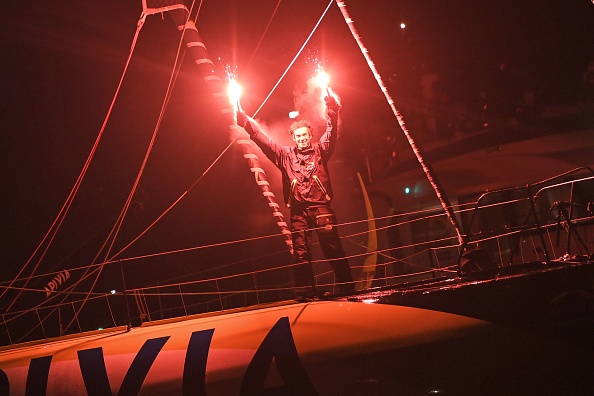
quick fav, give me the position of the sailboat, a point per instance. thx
(486, 290)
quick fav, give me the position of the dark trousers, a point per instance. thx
(322, 219)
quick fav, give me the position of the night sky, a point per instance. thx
(61, 63)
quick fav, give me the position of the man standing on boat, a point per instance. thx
(308, 192)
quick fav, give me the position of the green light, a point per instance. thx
(407, 190)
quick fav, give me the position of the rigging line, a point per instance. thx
(65, 208)
(227, 265)
(275, 235)
(87, 164)
(227, 293)
(263, 34)
(255, 238)
(251, 272)
(58, 294)
(179, 284)
(143, 289)
(204, 63)
(254, 272)
(43, 291)
(361, 245)
(74, 269)
(426, 167)
(85, 300)
(175, 73)
(167, 97)
(198, 11)
(56, 272)
(139, 26)
(237, 241)
(387, 227)
(172, 205)
(193, 248)
(201, 176)
(120, 218)
(168, 93)
(124, 212)
(248, 240)
(221, 278)
(17, 314)
(401, 247)
(295, 58)
(87, 267)
(117, 227)
(214, 279)
(240, 241)
(94, 266)
(41, 321)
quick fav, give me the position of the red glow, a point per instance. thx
(234, 91)
(323, 79)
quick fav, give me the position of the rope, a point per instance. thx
(205, 65)
(426, 168)
(264, 33)
(294, 59)
(119, 222)
(254, 239)
(172, 205)
(55, 226)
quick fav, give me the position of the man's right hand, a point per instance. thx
(332, 104)
(242, 119)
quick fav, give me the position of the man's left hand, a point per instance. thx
(332, 104)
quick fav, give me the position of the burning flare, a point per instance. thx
(322, 79)
(234, 91)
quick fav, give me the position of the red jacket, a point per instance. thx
(305, 173)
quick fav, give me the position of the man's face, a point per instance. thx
(302, 138)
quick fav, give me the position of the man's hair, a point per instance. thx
(300, 124)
